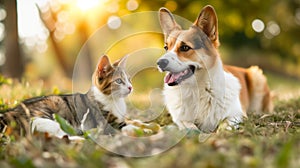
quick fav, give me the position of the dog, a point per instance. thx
(200, 92)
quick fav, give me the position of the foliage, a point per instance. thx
(4, 80)
(271, 140)
(64, 125)
(268, 141)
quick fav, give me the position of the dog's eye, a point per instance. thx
(119, 81)
(166, 48)
(185, 48)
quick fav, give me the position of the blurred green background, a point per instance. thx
(41, 42)
(41, 39)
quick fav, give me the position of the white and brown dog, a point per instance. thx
(199, 91)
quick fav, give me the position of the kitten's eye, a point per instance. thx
(166, 48)
(119, 81)
(185, 48)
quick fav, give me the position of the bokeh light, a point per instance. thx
(258, 25)
(272, 30)
(132, 5)
(114, 22)
(2, 31)
(2, 14)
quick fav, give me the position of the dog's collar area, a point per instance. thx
(173, 79)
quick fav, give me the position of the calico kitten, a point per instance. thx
(101, 106)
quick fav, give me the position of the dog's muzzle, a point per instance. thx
(177, 71)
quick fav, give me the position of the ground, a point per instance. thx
(271, 140)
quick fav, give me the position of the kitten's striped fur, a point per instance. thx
(103, 104)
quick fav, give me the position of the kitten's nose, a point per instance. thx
(162, 63)
(130, 88)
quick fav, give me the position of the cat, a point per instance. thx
(102, 106)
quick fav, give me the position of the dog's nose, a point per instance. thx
(162, 63)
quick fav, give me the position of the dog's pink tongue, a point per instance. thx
(170, 78)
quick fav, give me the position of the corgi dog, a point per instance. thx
(200, 92)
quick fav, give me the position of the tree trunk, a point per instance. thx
(14, 65)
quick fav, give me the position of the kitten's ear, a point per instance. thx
(208, 22)
(121, 62)
(167, 21)
(103, 65)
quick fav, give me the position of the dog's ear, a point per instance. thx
(208, 22)
(167, 21)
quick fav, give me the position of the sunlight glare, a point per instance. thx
(29, 22)
(113, 7)
(85, 5)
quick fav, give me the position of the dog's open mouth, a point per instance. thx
(173, 79)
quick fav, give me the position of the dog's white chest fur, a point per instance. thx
(205, 104)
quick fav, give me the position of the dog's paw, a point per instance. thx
(227, 125)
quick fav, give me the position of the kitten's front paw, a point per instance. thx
(130, 130)
(138, 128)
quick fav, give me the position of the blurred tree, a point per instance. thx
(50, 19)
(275, 48)
(14, 65)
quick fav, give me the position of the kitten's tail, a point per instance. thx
(12, 121)
(2, 123)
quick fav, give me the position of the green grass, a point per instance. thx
(271, 140)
